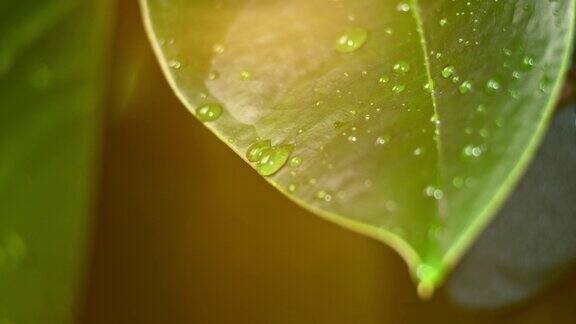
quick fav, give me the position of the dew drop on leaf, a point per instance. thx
(295, 161)
(401, 68)
(398, 88)
(351, 40)
(209, 112)
(254, 153)
(492, 86)
(273, 159)
(465, 87)
(448, 71)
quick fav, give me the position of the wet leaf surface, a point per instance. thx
(412, 121)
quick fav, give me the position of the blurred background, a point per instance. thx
(186, 232)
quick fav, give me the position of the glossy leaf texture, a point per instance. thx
(409, 122)
(51, 57)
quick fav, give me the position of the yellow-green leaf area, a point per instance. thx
(414, 119)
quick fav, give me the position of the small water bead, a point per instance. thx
(323, 195)
(433, 192)
(448, 71)
(545, 84)
(292, 188)
(401, 68)
(398, 88)
(383, 140)
(351, 40)
(245, 75)
(455, 79)
(403, 7)
(492, 86)
(255, 151)
(465, 87)
(295, 161)
(472, 151)
(417, 151)
(383, 80)
(209, 112)
(443, 22)
(218, 48)
(429, 87)
(458, 182)
(528, 62)
(516, 75)
(174, 64)
(273, 159)
(514, 94)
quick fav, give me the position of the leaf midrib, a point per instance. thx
(424, 46)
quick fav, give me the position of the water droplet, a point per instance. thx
(465, 87)
(218, 48)
(443, 22)
(429, 86)
(209, 112)
(351, 40)
(472, 151)
(174, 64)
(433, 192)
(401, 68)
(528, 62)
(245, 75)
(458, 182)
(295, 161)
(448, 71)
(383, 140)
(493, 86)
(273, 159)
(383, 80)
(403, 7)
(398, 88)
(254, 153)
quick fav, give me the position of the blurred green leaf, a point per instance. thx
(51, 59)
(409, 122)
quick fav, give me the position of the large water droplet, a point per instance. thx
(273, 159)
(254, 153)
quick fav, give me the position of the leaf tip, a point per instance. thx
(427, 278)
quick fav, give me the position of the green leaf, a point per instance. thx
(51, 55)
(410, 121)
